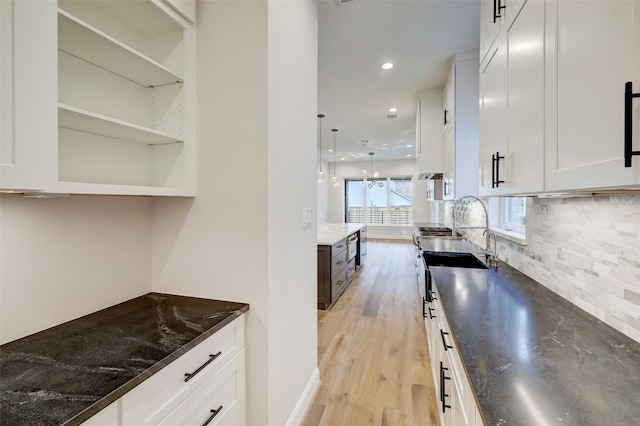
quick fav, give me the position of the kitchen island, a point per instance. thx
(69, 373)
(531, 356)
(341, 252)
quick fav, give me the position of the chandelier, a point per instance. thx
(374, 178)
(321, 176)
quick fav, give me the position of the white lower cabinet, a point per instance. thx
(108, 416)
(456, 401)
(206, 385)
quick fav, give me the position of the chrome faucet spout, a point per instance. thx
(456, 203)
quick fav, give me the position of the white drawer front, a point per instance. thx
(220, 393)
(106, 417)
(159, 395)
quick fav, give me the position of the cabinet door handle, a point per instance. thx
(340, 262)
(443, 394)
(444, 342)
(445, 117)
(433, 295)
(340, 282)
(189, 376)
(424, 304)
(497, 10)
(498, 157)
(628, 123)
(212, 416)
(431, 316)
(493, 170)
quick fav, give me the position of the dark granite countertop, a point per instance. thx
(66, 374)
(533, 357)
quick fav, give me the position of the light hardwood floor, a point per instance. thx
(372, 348)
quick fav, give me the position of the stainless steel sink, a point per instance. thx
(455, 260)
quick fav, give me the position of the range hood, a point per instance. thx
(427, 176)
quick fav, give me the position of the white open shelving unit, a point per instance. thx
(123, 105)
(123, 75)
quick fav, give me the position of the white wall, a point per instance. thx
(423, 210)
(241, 239)
(293, 100)
(66, 257)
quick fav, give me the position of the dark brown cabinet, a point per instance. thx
(337, 264)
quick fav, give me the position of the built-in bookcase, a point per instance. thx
(121, 95)
(125, 97)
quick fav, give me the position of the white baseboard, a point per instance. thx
(305, 399)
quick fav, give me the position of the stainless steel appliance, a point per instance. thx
(352, 246)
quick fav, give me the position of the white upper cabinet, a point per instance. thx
(512, 107)
(28, 89)
(449, 103)
(460, 142)
(117, 114)
(428, 132)
(596, 51)
(493, 118)
(553, 98)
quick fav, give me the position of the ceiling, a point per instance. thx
(419, 37)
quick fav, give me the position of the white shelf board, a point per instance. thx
(86, 121)
(80, 39)
(81, 188)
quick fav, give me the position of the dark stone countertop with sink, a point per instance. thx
(66, 374)
(533, 357)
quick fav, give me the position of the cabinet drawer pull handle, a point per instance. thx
(340, 262)
(628, 123)
(189, 376)
(433, 295)
(444, 342)
(443, 395)
(214, 413)
(431, 316)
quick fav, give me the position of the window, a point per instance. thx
(514, 214)
(385, 204)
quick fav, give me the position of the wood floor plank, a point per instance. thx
(372, 348)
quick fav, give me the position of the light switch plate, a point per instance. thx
(306, 218)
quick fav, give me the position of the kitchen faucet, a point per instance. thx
(492, 256)
(454, 226)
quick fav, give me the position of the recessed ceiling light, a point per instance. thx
(409, 146)
(330, 150)
(408, 155)
(387, 66)
(342, 158)
(393, 109)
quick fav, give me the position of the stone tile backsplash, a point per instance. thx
(585, 249)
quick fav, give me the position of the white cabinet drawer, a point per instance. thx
(105, 417)
(215, 400)
(162, 393)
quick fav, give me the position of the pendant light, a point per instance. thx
(321, 176)
(334, 179)
(375, 176)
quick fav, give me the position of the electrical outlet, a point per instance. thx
(306, 218)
